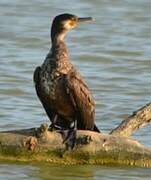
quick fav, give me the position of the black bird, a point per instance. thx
(62, 91)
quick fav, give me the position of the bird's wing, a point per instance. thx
(36, 75)
(82, 99)
(36, 79)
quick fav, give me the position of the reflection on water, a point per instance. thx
(45, 172)
(113, 54)
(92, 172)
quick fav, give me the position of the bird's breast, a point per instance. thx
(49, 83)
(54, 91)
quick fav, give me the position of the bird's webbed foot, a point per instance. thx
(69, 136)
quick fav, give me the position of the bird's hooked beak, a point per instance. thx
(71, 24)
(85, 19)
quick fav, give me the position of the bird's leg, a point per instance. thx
(69, 136)
(52, 126)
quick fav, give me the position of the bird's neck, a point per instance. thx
(59, 55)
(59, 49)
(57, 34)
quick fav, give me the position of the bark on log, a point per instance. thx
(41, 145)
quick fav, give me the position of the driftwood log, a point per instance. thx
(115, 148)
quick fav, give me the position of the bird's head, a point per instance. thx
(65, 22)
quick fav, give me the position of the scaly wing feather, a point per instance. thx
(82, 100)
(36, 79)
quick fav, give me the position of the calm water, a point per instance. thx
(113, 54)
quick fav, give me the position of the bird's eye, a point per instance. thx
(72, 23)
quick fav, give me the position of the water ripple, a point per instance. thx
(113, 54)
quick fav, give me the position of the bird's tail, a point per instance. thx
(96, 129)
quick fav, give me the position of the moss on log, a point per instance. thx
(41, 145)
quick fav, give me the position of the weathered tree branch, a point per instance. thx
(41, 145)
(138, 119)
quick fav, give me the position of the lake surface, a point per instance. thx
(113, 54)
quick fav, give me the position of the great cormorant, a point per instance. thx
(62, 91)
